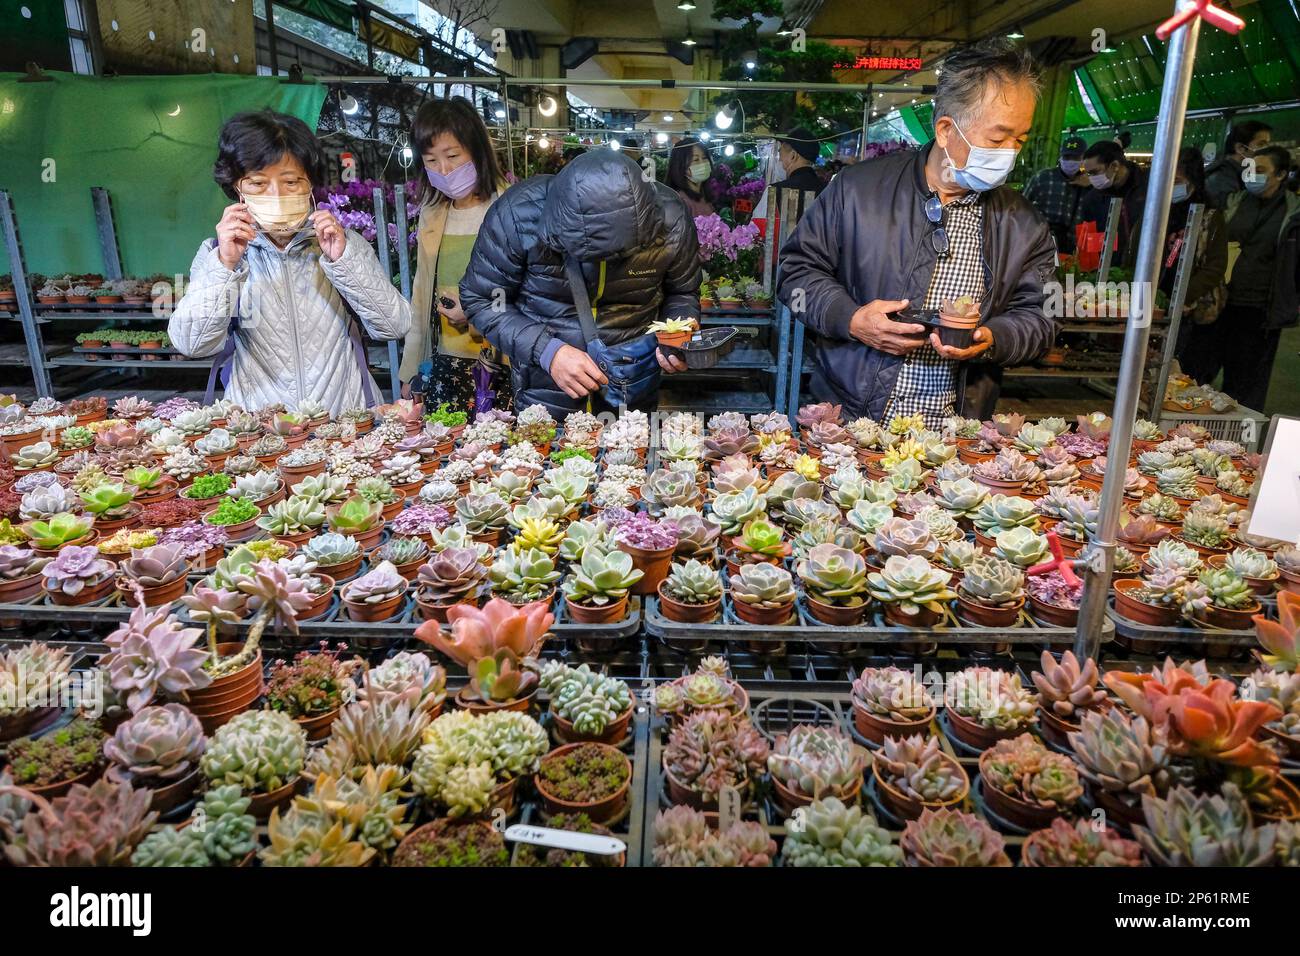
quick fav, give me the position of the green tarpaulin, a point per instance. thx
(150, 140)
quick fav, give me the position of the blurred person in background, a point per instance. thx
(689, 168)
(1223, 177)
(1056, 191)
(796, 152)
(1112, 175)
(1263, 222)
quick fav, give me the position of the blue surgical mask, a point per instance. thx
(1257, 185)
(1070, 167)
(986, 168)
(1180, 193)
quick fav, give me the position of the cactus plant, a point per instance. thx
(259, 750)
(951, 838)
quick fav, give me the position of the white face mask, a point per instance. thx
(698, 171)
(1100, 181)
(986, 168)
(1180, 193)
(279, 215)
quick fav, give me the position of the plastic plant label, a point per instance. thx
(728, 807)
(566, 840)
(1275, 509)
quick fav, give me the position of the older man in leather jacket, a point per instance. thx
(920, 229)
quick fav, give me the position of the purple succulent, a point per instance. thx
(612, 518)
(157, 745)
(155, 566)
(421, 443)
(174, 406)
(215, 606)
(75, 569)
(1081, 446)
(1050, 588)
(642, 531)
(16, 562)
(194, 538)
(420, 520)
(153, 655)
(34, 480)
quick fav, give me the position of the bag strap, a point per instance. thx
(359, 350)
(578, 285)
(221, 363)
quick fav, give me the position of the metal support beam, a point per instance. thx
(1186, 263)
(505, 128)
(1108, 244)
(18, 271)
(386, 263)
(637, 84)
(1179, 63)
(271, 42)
(107, 232)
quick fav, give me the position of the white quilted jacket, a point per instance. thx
(293, 341)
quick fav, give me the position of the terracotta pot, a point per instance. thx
(129, 518)
(164, 490)
(599, 811)
(87, 595)
(1260, 587)
(300, 537)
(215, 462)
(24, 722)
(262, 804)
(1288, 743)
(227, 696)
(1055, 729)
(519, 704)
(876, 728)
(682, 795)
(614, 733)
(1140, 612)
(394, 508)
(50, 791)
(318, 726)
(966, 451)
(1230, 619)
(763, 616)
(789, 801)
(1286, 797)
(21, 589)
(296, 473)
(241, 530)
(976, 735)
(999, 485)
(906, 807)
(924, 617)
(165, 798)
(1289, 581)
(654, 564)
(341, 572)
(320, 602)
(979, 614)
(380, 611)
(687, 613)
(156, 596)
(274, 497)
(1052, 615)
(836, 615)
(428, 611)
(1012, 808)
(673, 339)
(602, 614)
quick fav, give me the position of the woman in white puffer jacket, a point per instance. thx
(286, 276)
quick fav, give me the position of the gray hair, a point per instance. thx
(964, 73)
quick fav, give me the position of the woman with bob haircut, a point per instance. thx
(274, 294)
(461, 180)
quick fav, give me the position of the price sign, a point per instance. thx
(566, 840)
(1275, 508)
(729, 807)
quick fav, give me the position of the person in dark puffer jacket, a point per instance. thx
(638, 251)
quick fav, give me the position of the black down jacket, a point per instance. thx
(867, 237)
(601, 211)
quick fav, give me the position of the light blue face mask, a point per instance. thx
(1257, 185)
(986, 168)
(1180, 192)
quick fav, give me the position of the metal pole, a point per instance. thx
(271, 40)
(329, 78)
(1191, 235)
(1108, 244)
(866, 118)
(403, 243)
(107, 233)
(386, 263)
(505, 128)
(1155, 216)
(31, 330)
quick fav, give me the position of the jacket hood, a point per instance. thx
(600, 207)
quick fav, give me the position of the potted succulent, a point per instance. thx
(21, 574)
(832, 834)
(375, 596)
(237, 515)
(813, 762)
(912, 591)
(949, 837)
(524, 575)
(760, 542)
(227, 839)
(708, 688)
(208, 489)
(586, 705)
(673, 333)
(726, 296)
(1155, 600)
(112, 506)
(38, 456)
(50, 293)
(1028, 785)
(1287, 559)
(311, 689)
(1232, 603)
(691, 594)
(405, 554)
(150, 484)
(984, 705)
(158, 572)
(484, 516)
(78, 575)
(532, 855)
(651, 545)
(709, 750)
(1067, 690)
(261, 751)
(449, 770)
(1053, 600)
(835, 585)
(913, 775)
(1260, 572)
(450, 842)
(762, 594)
(586, 777)
(296, 519)
(451, 577)
(158, 748)
(684, 837)
(48, 766)
(216, 446)
(991, 593)
(262, 487)
(301, 463)
(890, 702)
(596, 589)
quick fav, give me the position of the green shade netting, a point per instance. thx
(119, 133)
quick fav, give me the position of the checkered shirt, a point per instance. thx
(1054, 196)
(927, 383)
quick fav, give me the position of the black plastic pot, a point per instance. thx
(705, 348)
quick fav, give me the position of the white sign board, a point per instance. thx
(1275, 510)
